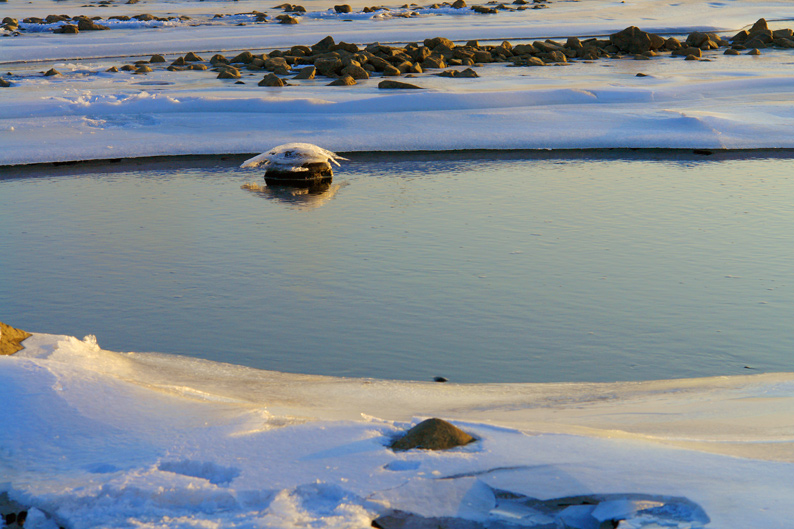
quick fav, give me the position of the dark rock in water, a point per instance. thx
(192, 57)
(432, 434)
(344, 8)
(754, 51)
(731, 51)
(440, 379)
(4, 83)
(229, 73)
(218, 59)
(459, 4)
(179, 61)
(51, 72)
(143, 69)
(392, 85)
(317, 175)
(157, 59)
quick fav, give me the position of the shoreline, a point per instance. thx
(594, 153)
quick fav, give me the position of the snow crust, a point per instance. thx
(95, 438)
(741, 102)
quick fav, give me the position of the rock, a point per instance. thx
(4, 84)
(67, 29)
(731, 51)
(271, 79)
(345, 80)
(432, 434)
(229, 73)
(397, 85)
(192, 57)
(754, 51)
(217, 59)
(180, 61)
(344, 8)
(52, 19)
(197, 67)
(243, 57)
(329, 67)
(316, 177)
(459, 4)
(306, 73)
(128, 68)
(323, 45)
(683, 52)
(355, 71)
(112, 69)
(157, 59)
(86, 24)
(760, 25)
(440, 379)
(690, 57)
(482, 10)
(286, 19)
(276, 62)
(635, 41)
(143, 69)
(10, 337)
(51, 72)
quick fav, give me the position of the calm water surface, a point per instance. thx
(480, 267)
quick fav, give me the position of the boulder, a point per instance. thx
(156, 59)
(329, 67)
(323, 45)
(432, 434)
(355, 71)
(4, 84)
(344, 8)
(634, 40)
(345, 80)
(51, 72)
(243, 57)
(229, 73)
(286, 19)
(11, 338)
(67, 29)
(143, 69)
(459, 4)
(306, 73)
(271, 79)
(397, 85)
(192, 57)
(86, 24)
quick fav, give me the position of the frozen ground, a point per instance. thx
(101, 439)
(727, 102)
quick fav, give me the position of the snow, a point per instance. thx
(740, 102)
(94, 438)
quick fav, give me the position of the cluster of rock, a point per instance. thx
(345, 63)
(80, 22)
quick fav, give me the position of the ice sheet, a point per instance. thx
(99, 439)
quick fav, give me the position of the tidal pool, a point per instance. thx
(475, 266)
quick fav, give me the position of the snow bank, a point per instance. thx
(95, 438)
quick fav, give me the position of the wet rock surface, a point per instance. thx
(432, 434)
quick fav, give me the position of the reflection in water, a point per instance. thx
(300, 198)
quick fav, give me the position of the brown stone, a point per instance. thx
(229, 73)
(157, 59)
(271, 79)
(11, 339)
(345, 80)
(306, 73)
(432, 434)
(344, 8)
(192, 57)
(388, 84)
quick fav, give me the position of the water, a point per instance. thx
(480, 267)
